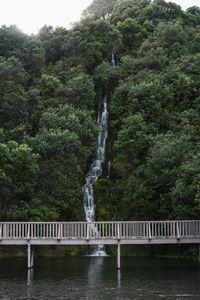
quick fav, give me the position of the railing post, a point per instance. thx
(150, 237)
(0, 232)
(28, 232)
(59, 232)
(88, 231)
(118, 232)
(5, 231)
(178, 232)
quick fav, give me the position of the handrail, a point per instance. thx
(100, 230)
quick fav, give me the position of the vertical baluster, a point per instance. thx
(161, 229)
(69, 229)
(31, 230)
(10, 230)
(189, 228)
(16, 230)
(23, 230)
(19, 230)
(100, 229)
(181, 228)
(118, 231)
(66, 230)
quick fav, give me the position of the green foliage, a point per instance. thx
(100, 8)
(50, 88)
(18, 175)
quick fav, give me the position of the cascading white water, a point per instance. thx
(96, 170)
(96, 166)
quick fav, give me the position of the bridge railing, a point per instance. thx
(99, 230)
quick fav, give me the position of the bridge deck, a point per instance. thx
(95, 233)
(82, 233)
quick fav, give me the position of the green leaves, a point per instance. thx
(100, 8)
(18, 175)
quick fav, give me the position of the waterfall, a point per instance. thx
(95, 170)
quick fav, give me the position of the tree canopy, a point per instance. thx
(50, 88)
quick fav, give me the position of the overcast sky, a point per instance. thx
(31, 15)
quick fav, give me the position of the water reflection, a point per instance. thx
(30, 273)
(95, 270)
(97, 278)
(119, 278)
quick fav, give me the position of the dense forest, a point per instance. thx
(51, 85)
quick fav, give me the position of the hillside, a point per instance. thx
(51, 85)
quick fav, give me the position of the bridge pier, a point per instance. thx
(30, 257)
(118, 256)
(199, 252)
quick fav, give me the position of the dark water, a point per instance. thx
(97, 278)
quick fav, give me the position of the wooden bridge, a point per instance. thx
(98, 233)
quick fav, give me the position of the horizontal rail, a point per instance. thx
(100, 230)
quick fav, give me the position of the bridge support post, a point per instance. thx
(30, 257)
(199, 252)
(118, 256)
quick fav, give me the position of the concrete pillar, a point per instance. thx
(118, 278)
(29, 256)
(199, 252)
(118, 256)
(32, 257)
(29, 277)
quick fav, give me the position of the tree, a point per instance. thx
(65, 140)
(13, 101)
(18, 177)
(100, 8)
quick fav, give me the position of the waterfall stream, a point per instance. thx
(95, 170)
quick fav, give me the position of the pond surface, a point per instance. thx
(97, 278)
